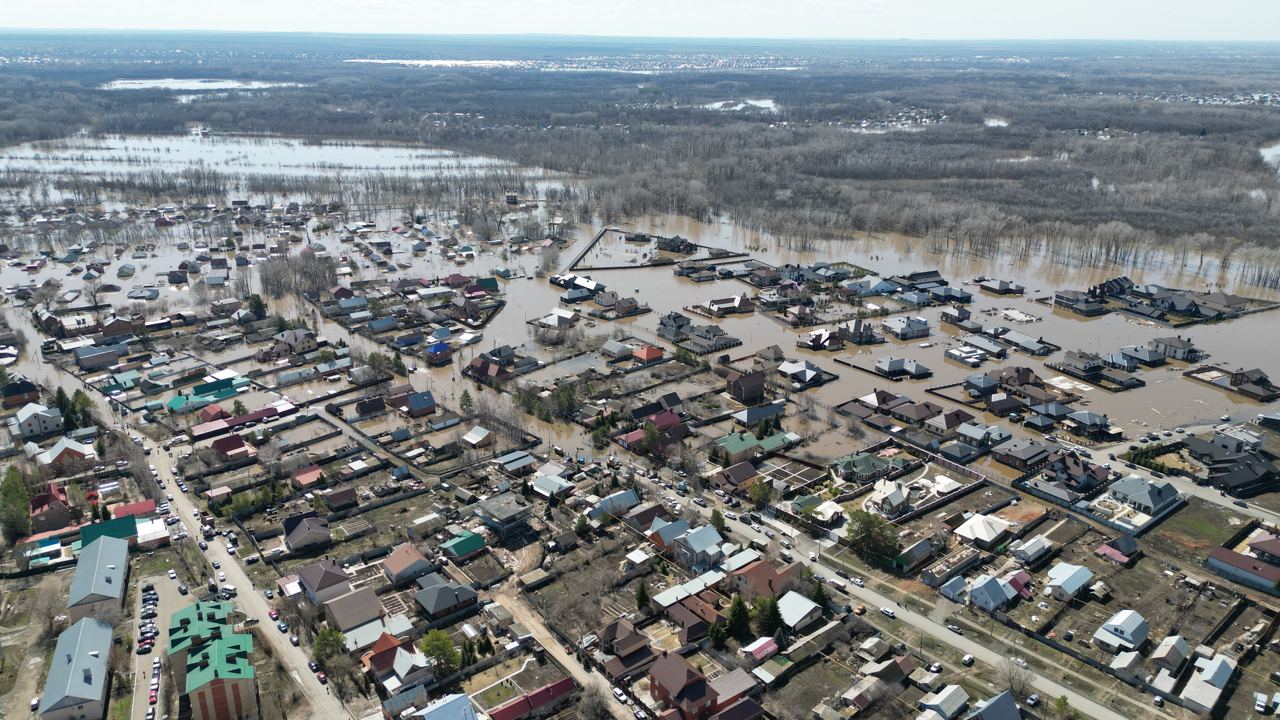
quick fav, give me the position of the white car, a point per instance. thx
(888, 612)
(173, 574)
(222, 577)
(622, 697)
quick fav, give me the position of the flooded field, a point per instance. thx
(113, 169)
(193, 84)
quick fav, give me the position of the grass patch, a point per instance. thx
(495, 695)
(1198, 526)
(13, 660)
(121, 707)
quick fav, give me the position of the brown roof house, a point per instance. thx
(323, 581)
(352, 610)
(679, 686)
(405, 563)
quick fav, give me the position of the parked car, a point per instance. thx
(888, 612)
(621, 696)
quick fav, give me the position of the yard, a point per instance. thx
(586, 597)
(1195, 529)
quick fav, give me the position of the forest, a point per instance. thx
(1096, 151)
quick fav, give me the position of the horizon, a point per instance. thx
(597, 37)
(1230, 21)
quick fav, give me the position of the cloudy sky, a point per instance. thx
(936, 19)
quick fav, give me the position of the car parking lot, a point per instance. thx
(162, 600)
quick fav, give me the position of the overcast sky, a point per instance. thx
(934, 19)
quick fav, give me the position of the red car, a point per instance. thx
(322, 677)
(152, 699)
(274, 614)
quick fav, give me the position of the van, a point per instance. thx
(229, 588)
(759, 544)
(839, 584)
(786, 555)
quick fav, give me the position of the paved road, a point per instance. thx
(938, 632)
(250, 600)
(324, 705)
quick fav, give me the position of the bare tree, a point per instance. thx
(1015, 676)
(93, 295)
(593, 705)
(46, 607)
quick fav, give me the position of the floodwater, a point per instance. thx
(1168, 399)
(120, 154)
(193, 84)
(1271, 153)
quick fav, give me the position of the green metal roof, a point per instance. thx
(225, 659)
(197, 623)
(737, 442)
(464, 544)
(122, 528)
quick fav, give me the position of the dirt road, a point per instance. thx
(532, 621)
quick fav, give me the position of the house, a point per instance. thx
(864, 467)
(352, 610)
(307, 532)
(983, 531)
(101, 580)
(889, 497)
(299, 342)
(736, 478)
(1178, 348)
(624, 650)
(398, 666)
(699, 549)
(798, 612)
(677, 685)
(747, 388)
(991, 593)
(66, 455)
(1020, 453)
(440, 598)
(1142, 495)
(20, 391)
(760, 578)
(1067, 580)
(1125, 630)
(405, 563)
(463, 546)
(505, 514)
(896, 367)
(34, 420)
(51, 509)
(323, 581)
(906, 328)
(947, 702)
(76, 685)
(998, 707)
(1204, 689)
(1171, 653)
(1071, 471)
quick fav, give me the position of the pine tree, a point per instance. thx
(767, 615)
(738, 618)
(642, 596)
